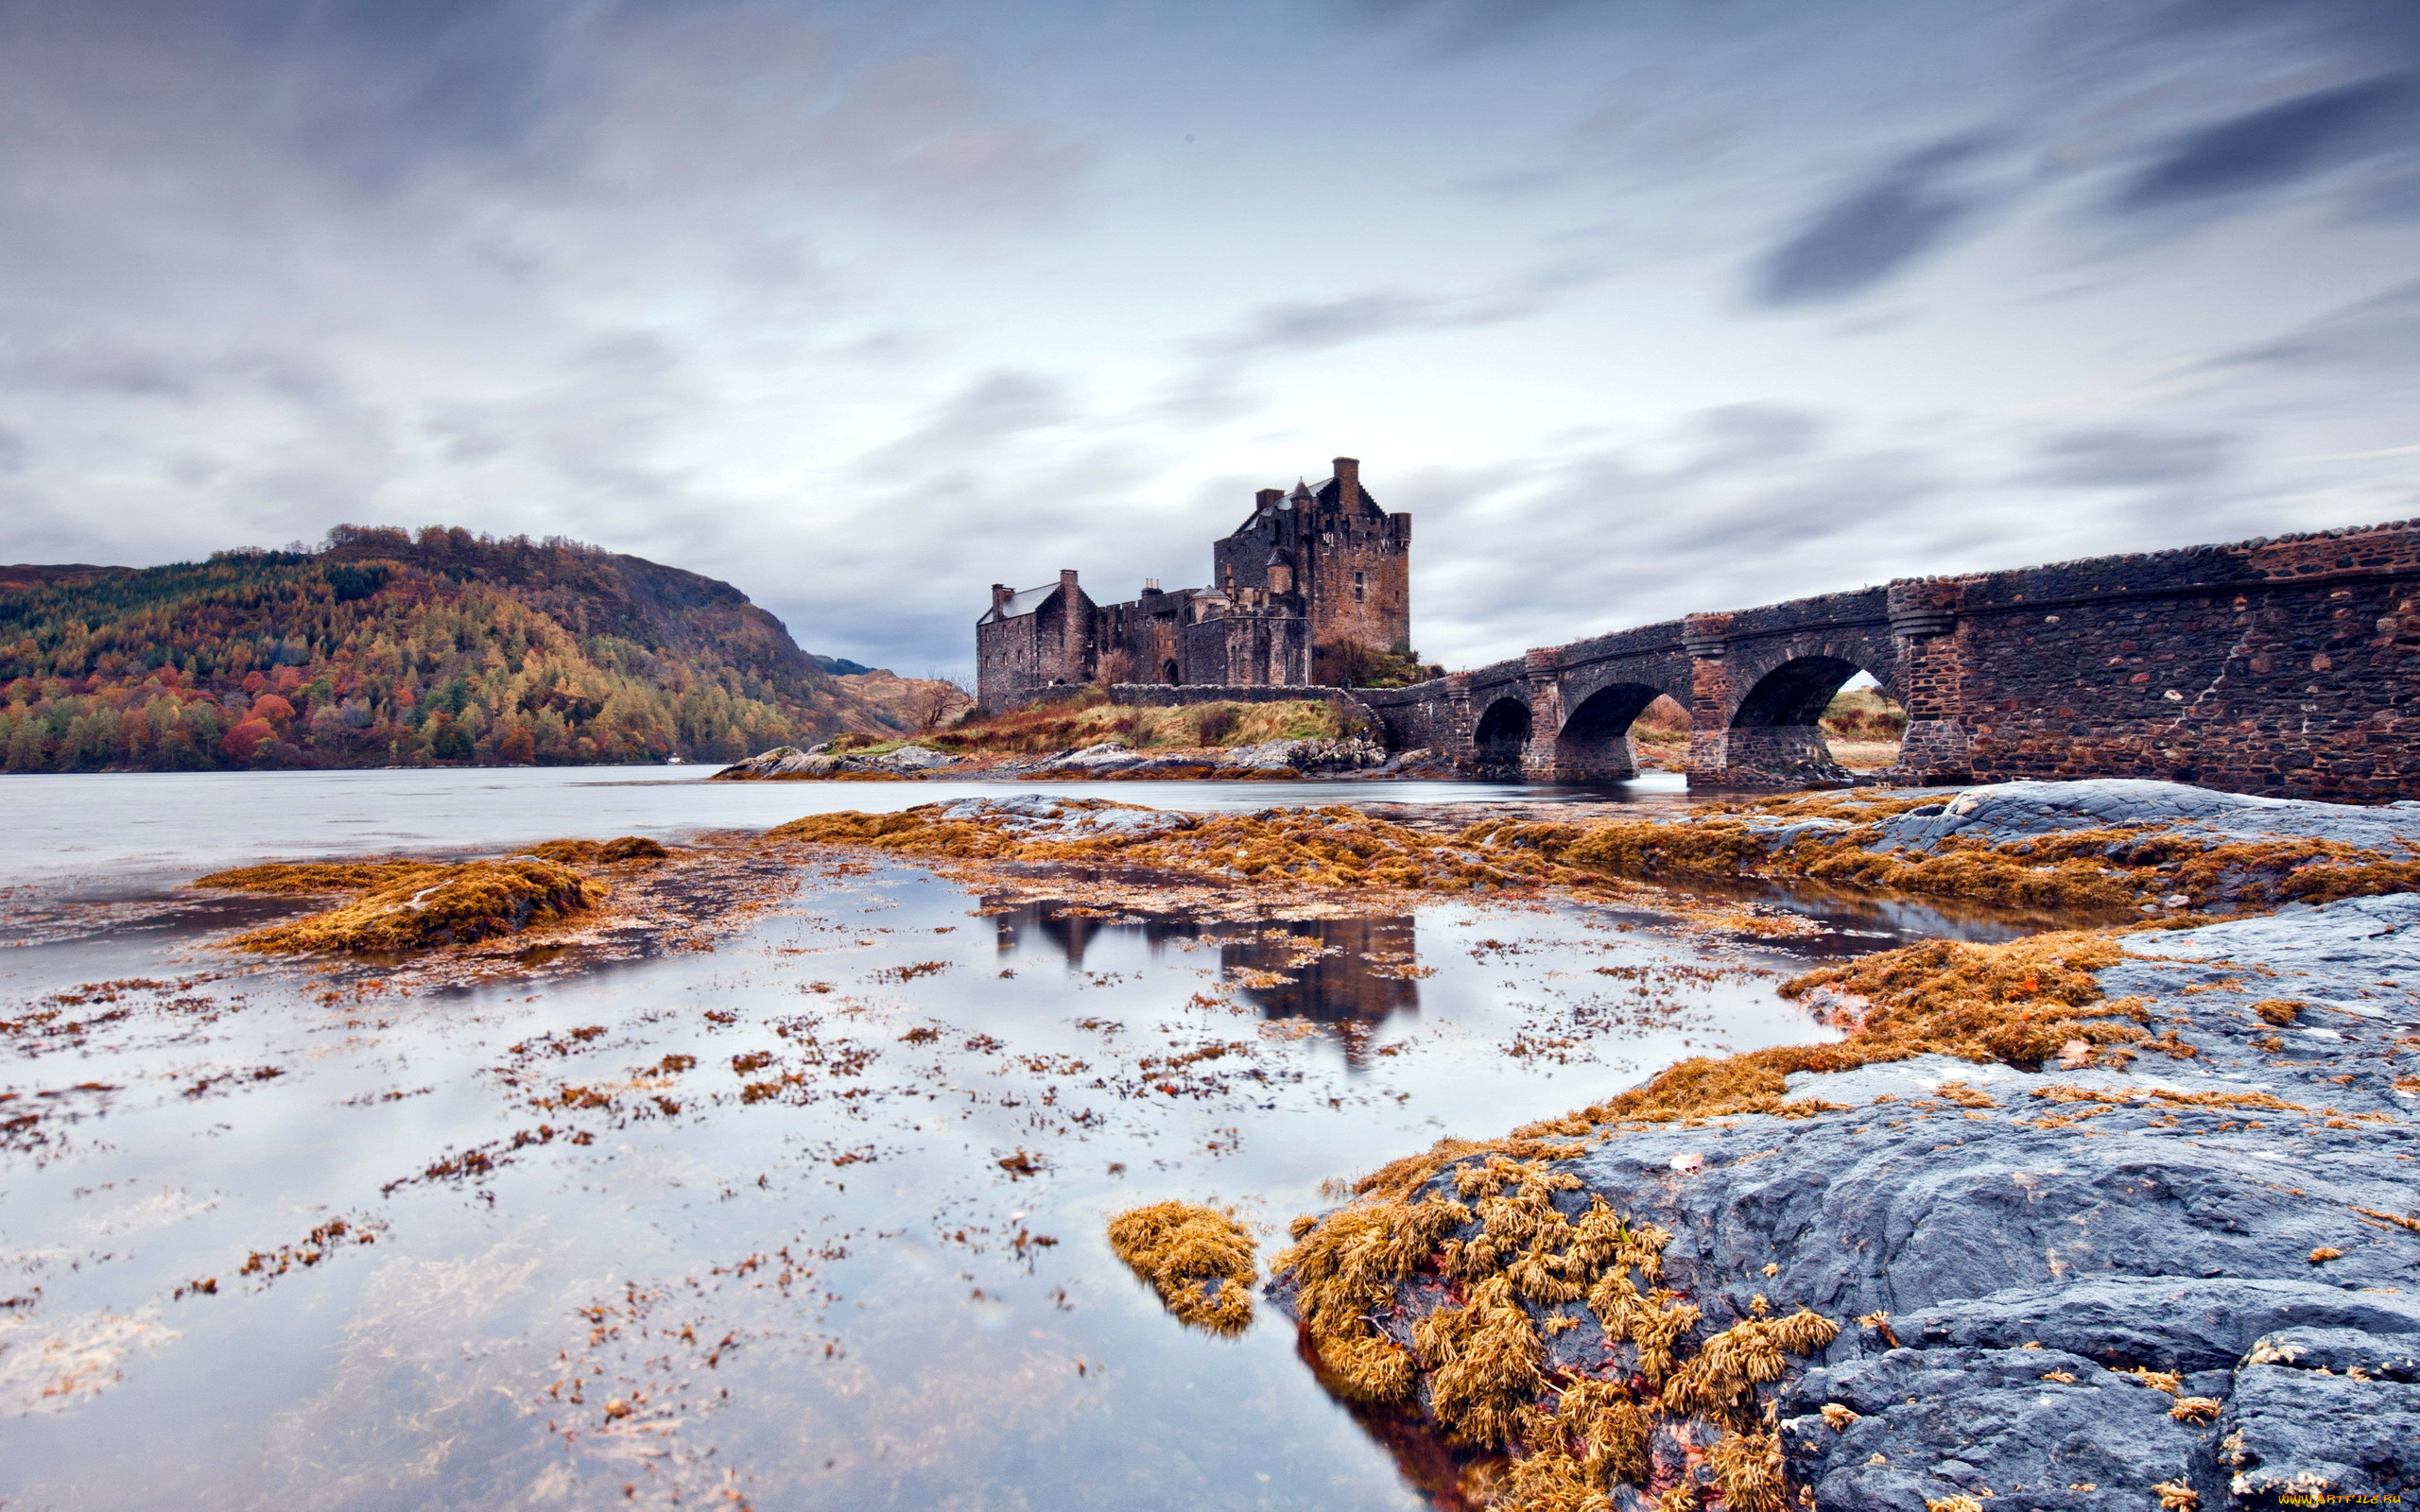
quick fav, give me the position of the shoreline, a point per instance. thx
(2117, 1217)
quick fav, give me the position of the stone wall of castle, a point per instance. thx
(1305, 576)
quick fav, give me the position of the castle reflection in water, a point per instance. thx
(1349, 973)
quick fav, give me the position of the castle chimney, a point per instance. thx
(1001, 593)
(1067, 580)
(1267, 499)
(1348, 482)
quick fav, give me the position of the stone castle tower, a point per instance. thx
(1302, 593)
(1347, 560)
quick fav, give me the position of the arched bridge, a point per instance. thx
(2282, 666)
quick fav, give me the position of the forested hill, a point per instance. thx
(387, 648)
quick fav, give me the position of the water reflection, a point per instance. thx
(1349, 975)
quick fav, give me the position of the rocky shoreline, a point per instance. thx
(2138, 1225)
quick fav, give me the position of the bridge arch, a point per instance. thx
(1500, 737)
(1775, 730)
(1594, 743)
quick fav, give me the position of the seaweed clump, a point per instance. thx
(1200, 1260)
(435, 905)
(593, 852)
(1506, 1266)
(2108, 868)
(1438, 1285)
(290, 878)
(1330, 847)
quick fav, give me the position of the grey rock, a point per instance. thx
(1352, 754)
(2003, 812)
(911, 759)
(2007, 1243)
(2300, 1428)
(1044, 813)
(1109, 755)
(783, 760)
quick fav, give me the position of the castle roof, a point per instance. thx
(1327, 491)
(1023, 603)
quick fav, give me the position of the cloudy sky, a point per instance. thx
(1641, 306)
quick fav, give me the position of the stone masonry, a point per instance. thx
(2281, 666)
(1309, 581)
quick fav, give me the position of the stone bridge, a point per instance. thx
(2283, 666)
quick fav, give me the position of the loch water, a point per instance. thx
(809, 1214)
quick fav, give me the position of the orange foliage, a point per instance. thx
(244, 739)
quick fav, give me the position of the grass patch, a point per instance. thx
(1198, 1260)
(1864, 715)
(1089, 718)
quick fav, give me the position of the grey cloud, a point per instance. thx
(1468, 22)
(2127, 457)
(2366, 28)
(2368, 338)
(1874, 231)
(423, 80)
(955, 433)
(113, 366)
(467, 434)
(1212, 389)
(1597, 539)
(1843, 497)
(1737, 435)
(1311, 325)
(2390, 197)
(124, 368)
(15, 453)
(569, 106)
(2277, 144)
(1308, 326)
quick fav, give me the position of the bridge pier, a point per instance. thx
(1725, 754)
(1937, 745)
(1457, 745)
(1764, 756)
(1542, 758)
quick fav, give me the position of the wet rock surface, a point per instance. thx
(818, 760)
(1107, 757)
(2015, 811)
(1029, 814)
(2093, 1286)
(1350, 755)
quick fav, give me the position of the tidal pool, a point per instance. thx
(809, 1214)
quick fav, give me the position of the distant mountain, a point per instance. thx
(392, 648)
(841, 666)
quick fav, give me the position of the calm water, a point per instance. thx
(108, 826)
(812, 1218)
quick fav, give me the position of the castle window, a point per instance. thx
(1356, 588)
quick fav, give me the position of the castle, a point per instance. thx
(1302, 592)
